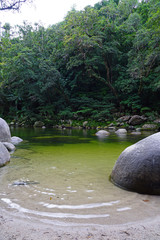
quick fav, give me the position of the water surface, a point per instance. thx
(71, 170)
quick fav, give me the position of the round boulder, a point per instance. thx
(138, 167)
(38, 124)
(102, 133)
(4, 155)
(16, 140)
(136, 120)
(150, 127)
(5, 135)
(121, 131)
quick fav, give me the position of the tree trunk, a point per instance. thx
(110, 84)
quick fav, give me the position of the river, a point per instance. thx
(66, 179)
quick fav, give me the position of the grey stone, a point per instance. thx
(138, 129)
(136, 133)
(102, 133)
(138, 167)
(16, 140)
(4, 155)
(111, 125)
(136, 120)
(10, 147)
(112, 129)
(157, 120)
(121, 131)
(123, 119)
(150, 126)
(85, 123)
(17, 183)
(38, 124)
(5, 135)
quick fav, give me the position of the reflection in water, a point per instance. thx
(66, 175)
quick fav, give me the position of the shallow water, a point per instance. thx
(71, 171)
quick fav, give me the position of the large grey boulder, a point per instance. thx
(138, 167)
(5, 135)
(4, 155)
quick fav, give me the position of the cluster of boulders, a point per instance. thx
(133, 121)
(7, 143)
(130, 122)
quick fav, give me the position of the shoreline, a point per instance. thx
(13, 227)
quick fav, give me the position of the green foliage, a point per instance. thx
(98, 61)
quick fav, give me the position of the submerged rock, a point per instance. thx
(136, 133)
(138, 167)
(16, 140)
(102, 133)
(17, 183)
(121, 131)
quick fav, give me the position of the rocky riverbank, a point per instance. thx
(129, 122)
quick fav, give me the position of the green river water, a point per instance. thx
(71, 170)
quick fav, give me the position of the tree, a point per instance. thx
(90, 37)
(11, 4)
(96, 62)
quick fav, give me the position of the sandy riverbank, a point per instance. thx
(13, 227)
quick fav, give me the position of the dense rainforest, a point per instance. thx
(98, 62)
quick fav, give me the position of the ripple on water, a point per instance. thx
(73, 182)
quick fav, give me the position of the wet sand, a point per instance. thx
(14, 227)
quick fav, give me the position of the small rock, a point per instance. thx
(121, 131)
(12, 124)
(16, 140)
(17, 183)
(102, 133)
(85, 123)
(123, 119)
(10, 147)
(38, 124)
(157, 121)
(149, 127)
(136, 133)
(111, 125)
(112, 129)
